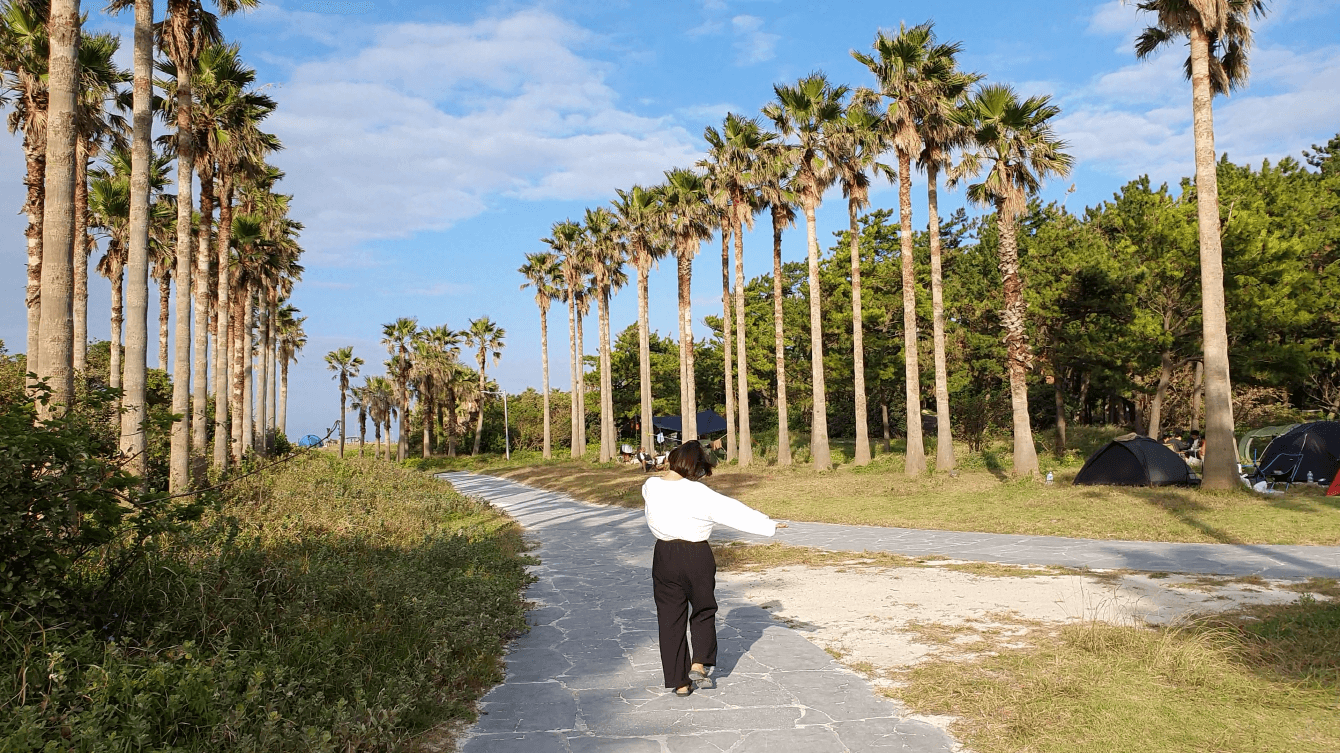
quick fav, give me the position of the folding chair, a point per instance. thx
(1281, 468)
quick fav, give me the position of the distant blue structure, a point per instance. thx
(311, 440)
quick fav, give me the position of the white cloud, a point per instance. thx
(752, 43)
(1138, 119)
(429, 123)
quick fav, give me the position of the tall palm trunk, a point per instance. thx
(137, 260)
(164, 314)
(118, 315)
(402, 436)
(644, 351)
(82, 248)
(223, 342)
(915, 462)
(581, 383)
(727, 342)
(344, 388)
(451, 418)
(823, 459)
(944, 436)
(426, 403)
(200, 371)
(741, 351)
(577, 449)
(783, 428)
(858, 338)
(688, 402)
(1018, 354)
(607, 431)
(1196, 395)
(56, 357)
(272, 370)
(245, 347)
(236, 369)
(282, 416)
(179, 462)
(263, 375)
(1220, 450)
(544, 367)
(35, 179)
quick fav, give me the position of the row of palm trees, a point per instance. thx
(928, 113)
(424, 365)
(232, 258)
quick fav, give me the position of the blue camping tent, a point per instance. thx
(311, 440)
(709, 422)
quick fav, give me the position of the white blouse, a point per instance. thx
(687, 510)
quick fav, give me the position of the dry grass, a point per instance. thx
(740, 557)
(981, 500)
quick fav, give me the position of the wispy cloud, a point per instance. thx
(752, 44)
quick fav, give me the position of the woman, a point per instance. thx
(680, 513)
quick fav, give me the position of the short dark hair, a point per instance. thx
(691, 461)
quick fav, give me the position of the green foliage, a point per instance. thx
(327, 606)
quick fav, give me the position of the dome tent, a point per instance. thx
(1319, 444)
(1134, 460)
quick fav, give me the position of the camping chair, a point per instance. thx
(1282, 467)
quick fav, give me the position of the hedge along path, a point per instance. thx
(587, 676)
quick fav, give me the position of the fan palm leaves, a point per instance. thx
(806, 113)
(398, 338)
(345, 365)
(487, 338)
(1016, 144)
(1220, 37)
(543, 273)
(686, 218)
(638, 212)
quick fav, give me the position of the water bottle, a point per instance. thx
(1049, 476)
(1309, 477)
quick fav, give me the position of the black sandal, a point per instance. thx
(685, 691)
(701, 680)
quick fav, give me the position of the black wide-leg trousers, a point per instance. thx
(684, 573)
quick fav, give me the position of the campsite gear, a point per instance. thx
(1255, 442)
(1309, 477)
(1049, 477)
(1134, 460)
(1281, 466)
(1334, 491)
(1319, 444)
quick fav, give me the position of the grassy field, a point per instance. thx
(978, 497)
(327, 606)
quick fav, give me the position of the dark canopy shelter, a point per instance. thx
(709, 422)
(1318, 443)
(1134, 460)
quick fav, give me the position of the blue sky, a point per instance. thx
(430, 145)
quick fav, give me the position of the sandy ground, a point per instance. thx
(892, 618)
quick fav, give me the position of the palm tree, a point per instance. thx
(737, 152)
(721, 211)
(290, 341)
(940, 135)
(1220, 35)
(1015, 141)
(398, 337)
(637, 210)
(607, 276)
(380, 399)
(854, 144)
(360, 404)
(109, 208)
(542, 272)
(806, 112)
(487, 338)
(566, 242)
(912, 70)
(345, 365)
(685, 215)
(774, 175)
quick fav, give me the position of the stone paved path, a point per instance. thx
(587, 676)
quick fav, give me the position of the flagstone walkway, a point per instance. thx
(587, 677)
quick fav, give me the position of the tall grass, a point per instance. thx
(332, 605)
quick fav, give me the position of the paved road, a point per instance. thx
(587, 676)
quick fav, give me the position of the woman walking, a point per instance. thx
(680, 513)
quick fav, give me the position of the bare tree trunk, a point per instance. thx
(726, 340)
(1156, 407)
(137, 267)
(200, 371)
(1084, 398)
(783, 428)
(344, 388)
(944, 434)
(82, 248)
(164, 313)
(544, 364)
(263, 366)
(450, 421)
(237, 370)
(688, 403)
(56, 358)
(1219, 470)
(916, 444)
(282, 418)
(35, 179)
(1019, 356)
(1196, 395)
(377, 437)
(746, 440)
(222, 341)
(181, 367)
(248, 433)
(577, 449)
(118, 311)
(608, 440)
(644, 352)
(581, 382)
(402, 435)
(858, 340)
(823, 459)
(272, 335)
(884, 414)
(426, 404)
(1059, 385)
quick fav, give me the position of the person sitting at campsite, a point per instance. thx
(1194, 447)
(1178, 441)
